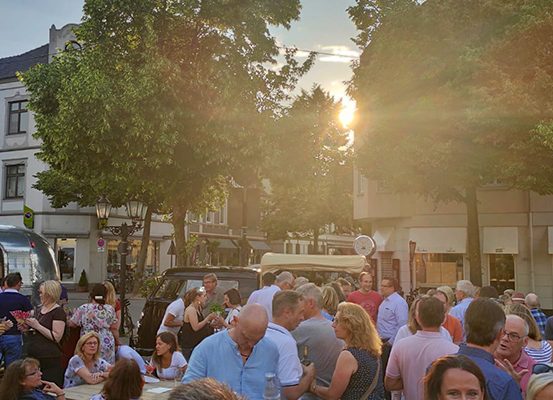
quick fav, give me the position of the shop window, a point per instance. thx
(437, 269)
(114, 258)
(502, 271)
(65, 254)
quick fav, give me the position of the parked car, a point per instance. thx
(28, 253)
(175, 282)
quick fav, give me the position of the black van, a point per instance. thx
(175, 282)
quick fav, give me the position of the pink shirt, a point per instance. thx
(369, 301)
(525, 362)
(410, 357)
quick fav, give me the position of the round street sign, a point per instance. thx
(101, 242)
(364, 245)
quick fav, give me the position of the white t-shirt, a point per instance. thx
(234, 312)
(290, 370)
(177, 362)
(176, 308)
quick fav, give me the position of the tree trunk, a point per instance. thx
(315, 240)
(179, 214)
(473, 236)
(141, 262)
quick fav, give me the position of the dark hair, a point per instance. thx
(285, 299)
(435, 375)
(98, 293)
(336, 286)
(483, 321)
(13, 279)
(191, 295)
(430, 313)
(268, 278)
(203, 389)
(10, 386)
(488, 292)
(124, 381)
(234, 296)
(168, 338)
(393, 282)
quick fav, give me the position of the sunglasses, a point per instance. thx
(542, 369)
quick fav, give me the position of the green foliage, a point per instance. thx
(455, 95)
(309, 169)
(165, 101)
(148, 285)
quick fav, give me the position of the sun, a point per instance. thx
(347, 113)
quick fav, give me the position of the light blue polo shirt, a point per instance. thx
(218, 357)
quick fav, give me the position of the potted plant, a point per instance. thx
(82, 286)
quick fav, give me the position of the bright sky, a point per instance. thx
(323, 26)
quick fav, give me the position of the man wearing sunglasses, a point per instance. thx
(510, 353)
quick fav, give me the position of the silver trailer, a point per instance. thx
(28, 253)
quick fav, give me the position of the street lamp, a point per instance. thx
(135, 211)
(412, 249)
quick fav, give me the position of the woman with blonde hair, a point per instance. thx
(330, 302)
(112, 300)
(48, 324)
(540, 386)
(452, 324)
(86, 366)
(97, 316)
(358, 372)
(537, 348)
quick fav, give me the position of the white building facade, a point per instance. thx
(516, 237)
(72, 231)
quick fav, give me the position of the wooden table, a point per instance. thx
(85, 392)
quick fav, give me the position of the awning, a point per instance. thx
(223, 243)
(259, 245)
(271, 262)
(439, 240)
(384, 239)
(500, 240)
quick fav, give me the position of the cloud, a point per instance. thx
(338, 54)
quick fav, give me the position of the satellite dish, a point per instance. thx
(364, 245)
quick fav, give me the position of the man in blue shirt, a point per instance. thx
(484, 325)
(533, 304)
(11, 300)
(239, 357)
(464, 292)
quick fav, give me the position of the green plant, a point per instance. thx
(149, 285)
(216, 308)
(83, 280)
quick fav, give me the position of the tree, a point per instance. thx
(309, 169)
(449, 103)
(164, 101)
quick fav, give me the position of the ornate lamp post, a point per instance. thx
(135, 211)
(412, 272)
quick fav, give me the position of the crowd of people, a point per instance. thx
(321, 341)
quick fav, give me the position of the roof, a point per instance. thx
(271, 262)
(9, 66)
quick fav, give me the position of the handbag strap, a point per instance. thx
(374, 382)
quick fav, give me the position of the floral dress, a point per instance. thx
(92, 317)
(76, 363)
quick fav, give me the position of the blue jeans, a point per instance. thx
(11, 348)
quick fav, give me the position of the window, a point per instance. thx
(502, 271)
(15, 181)
(437, 269)
(18, 118)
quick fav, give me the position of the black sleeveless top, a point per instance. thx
(362, 378)
(190, 337)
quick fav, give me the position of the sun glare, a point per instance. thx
(348, 112)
